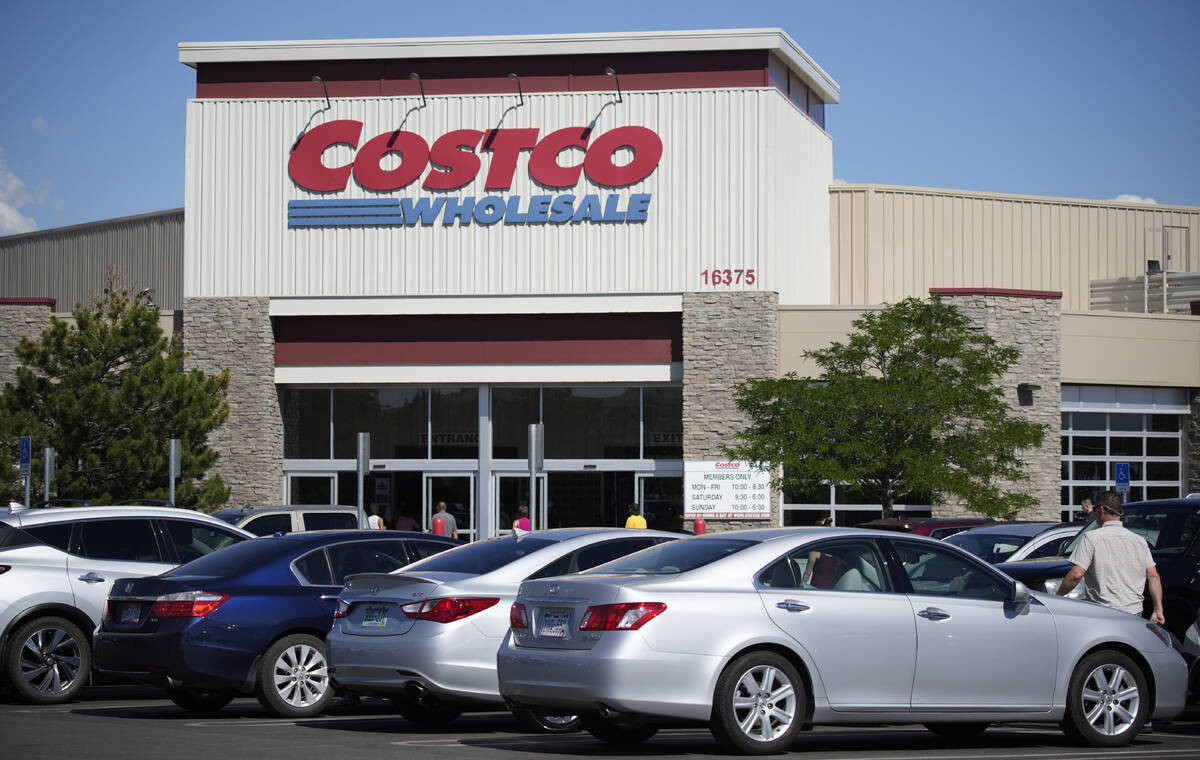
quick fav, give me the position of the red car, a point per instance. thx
(934, 527)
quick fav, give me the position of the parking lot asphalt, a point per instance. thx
(124, 723)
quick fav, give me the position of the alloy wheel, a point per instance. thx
(50, 661)
(301, 675)
(764, 703)
(1110, 699)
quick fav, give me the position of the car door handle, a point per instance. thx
(91, 578)
(329, 597)
(791, 605)
(933, 613)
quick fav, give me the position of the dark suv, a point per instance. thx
(1170, 526)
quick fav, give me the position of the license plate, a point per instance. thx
(375, 616)
(554, 624)
(131, 613)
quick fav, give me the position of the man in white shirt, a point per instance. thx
(1115, 564)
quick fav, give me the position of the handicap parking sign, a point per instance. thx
(26, 455)
(1122, 476)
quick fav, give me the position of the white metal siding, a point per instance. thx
(733, 168)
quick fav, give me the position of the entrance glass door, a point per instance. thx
(312, 488)
(662, 501)
(512, 491)
(458, 492)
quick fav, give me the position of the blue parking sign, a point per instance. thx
(26, 455)
(1122, 476)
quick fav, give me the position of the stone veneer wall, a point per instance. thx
(235, 333)
(1192, 462)
(727, 338)
(24, 320)
(1032, 323)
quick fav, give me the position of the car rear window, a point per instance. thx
(329, 520)
(483, 556)
(11, 538)
(673, 558)
(57, 535)
(235, 559)
(989, 547)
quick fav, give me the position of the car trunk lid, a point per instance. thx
(555, 608)
(371, 604)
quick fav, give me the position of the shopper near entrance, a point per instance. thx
(522, 521)
(448, 521)
(1115, 564)
(374, 521)
(635, 517)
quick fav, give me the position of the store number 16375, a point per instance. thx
(728, 276)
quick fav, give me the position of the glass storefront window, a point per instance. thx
(1094, 442)
(454, 420)
(591, 422)
(395, 418)
(662, 409)
(513, 411)
(305, 422)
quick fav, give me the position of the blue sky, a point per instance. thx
(1077, 99)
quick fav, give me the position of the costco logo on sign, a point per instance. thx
(452, 162)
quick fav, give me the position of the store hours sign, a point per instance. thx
(725, 491)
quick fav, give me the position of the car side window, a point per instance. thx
(422, 549)
(329, 520)
(839, 565)
(366, 557)
(129, 540)
(934, 571)
(314, 569)
(1050, 548)
(269, 525)
(193, 540)
(58, 536)
(594, 555)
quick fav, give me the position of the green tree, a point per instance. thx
(107, 390)
(910, 403)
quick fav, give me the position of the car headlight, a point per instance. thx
(1052, 585)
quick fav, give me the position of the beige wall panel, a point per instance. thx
(915, 239)
(1110, 348)
(735, 166)
(806, 328)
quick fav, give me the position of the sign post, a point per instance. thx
(173, 467)
(364, 465)
(26, 463)
(48, 469)
(1122, 478)
(536, 463)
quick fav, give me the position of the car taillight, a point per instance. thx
(620, 617)
(343, 609)
(448, 609)
(187, 604)
(517, 617)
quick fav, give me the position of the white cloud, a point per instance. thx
(39, 124)
(837, 181)
(12, 197)
(1131, 198)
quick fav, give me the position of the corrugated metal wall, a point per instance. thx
(888, 243)
(69, 264)
(714, 202)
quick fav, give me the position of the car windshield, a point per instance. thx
(483, 556)
(990, 547)
(235, 559)
(673, 558)
(1168, 529)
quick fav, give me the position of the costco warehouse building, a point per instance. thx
(602, 233)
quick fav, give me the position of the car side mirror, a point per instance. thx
(1020, 593)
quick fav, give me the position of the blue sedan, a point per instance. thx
(249, 619)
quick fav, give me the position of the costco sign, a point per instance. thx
(454, 161)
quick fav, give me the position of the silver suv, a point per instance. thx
(56, 569)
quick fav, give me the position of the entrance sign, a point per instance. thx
(725, 490)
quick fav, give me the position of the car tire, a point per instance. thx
(957, 732)
(1107, 700)
(293, 677)
(199, 701)
(623, 732)
(758, 682)
(539, 721)
(49, 660)
(425, 710)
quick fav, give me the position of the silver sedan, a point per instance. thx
(760, 633)
(426, 635)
